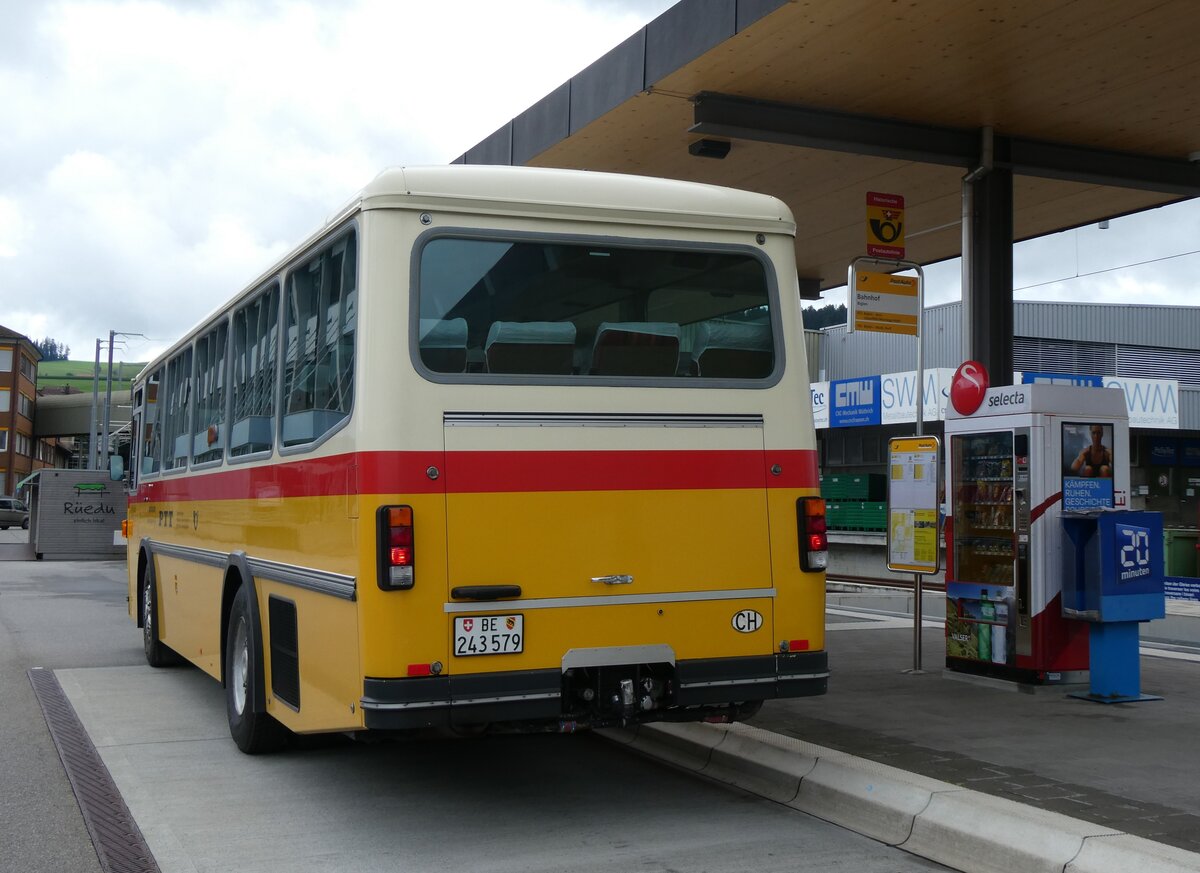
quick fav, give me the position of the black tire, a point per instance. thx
(254, 732)
(25, 524)
(157, 653)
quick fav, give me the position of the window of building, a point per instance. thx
(5, 399)
(6, 359)
(25, 405)
(23, 445)
(208, 441)
(28, 369)
(548, 308)
(254, 375)
(321, 312)
(176, 434)
(3, 439)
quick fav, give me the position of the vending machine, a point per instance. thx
(1014, 465)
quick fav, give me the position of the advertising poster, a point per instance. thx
(1087, 466)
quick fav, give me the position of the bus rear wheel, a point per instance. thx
(254, 732)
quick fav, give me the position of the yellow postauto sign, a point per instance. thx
(885, 302)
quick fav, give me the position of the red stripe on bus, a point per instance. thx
(475, 472)
(501, 471)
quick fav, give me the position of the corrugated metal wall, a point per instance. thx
(1189, 407)
(1144, 341)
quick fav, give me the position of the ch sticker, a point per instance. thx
(747, 621)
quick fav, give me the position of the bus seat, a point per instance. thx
(727, 350)
(541, 347)
(444, 344)
(635, 348)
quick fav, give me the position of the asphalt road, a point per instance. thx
(503, 803)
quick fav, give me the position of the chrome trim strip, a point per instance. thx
(470, 701)
(320, 581)
(503, 606)
(207, 557)
(583, 419)
(657, 653)
(782, 677)
(723, 682)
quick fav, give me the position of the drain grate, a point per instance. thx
(118, 842)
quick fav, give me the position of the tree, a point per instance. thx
(815, 319)
(52, 350)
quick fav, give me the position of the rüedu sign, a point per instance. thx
(88, 505)
(75, 515)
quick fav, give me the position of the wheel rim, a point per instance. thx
(147, 615)
(239, 681)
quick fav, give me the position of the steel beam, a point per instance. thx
(788, 124)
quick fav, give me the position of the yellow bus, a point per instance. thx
(496, 446)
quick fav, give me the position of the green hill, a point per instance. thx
(78, 374)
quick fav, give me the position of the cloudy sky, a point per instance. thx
(156, 156)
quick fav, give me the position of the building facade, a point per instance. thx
(18, 404)
(865, 388)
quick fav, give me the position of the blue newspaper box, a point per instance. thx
(1117, 582)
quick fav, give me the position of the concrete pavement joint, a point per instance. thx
(964, 829)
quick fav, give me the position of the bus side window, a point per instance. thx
(319, 359)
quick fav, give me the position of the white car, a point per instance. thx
(13, 513)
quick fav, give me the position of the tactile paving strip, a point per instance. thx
(118, 842)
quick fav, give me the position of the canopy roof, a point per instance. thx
(1093, 105)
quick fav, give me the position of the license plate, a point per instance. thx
(489, 635)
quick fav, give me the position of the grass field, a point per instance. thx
(78, 374)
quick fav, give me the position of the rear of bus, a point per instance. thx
(588, 478)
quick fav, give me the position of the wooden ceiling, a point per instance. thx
(1117, 75)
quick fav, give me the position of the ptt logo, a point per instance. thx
(747, 621)
(855, 393)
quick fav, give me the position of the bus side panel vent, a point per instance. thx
(285, 651)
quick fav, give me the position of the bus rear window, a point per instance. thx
(534, 308)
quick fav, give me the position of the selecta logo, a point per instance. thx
(968, 386)
(1012, 398)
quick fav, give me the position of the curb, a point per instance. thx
(958, 827)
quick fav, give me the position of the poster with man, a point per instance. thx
(1087, 466)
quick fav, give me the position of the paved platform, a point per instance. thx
(1132, 767)
(920, 761)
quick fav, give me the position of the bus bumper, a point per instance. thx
(700, 687)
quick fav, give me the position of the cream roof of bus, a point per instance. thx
(537, 191)
(547, 191)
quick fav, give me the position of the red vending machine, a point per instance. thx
(1028, 454)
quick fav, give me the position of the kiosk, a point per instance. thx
(1027, 454)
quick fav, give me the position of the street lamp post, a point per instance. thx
(108, 393)
(93, 449)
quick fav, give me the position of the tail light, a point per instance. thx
(810, 525)
(397, 556)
